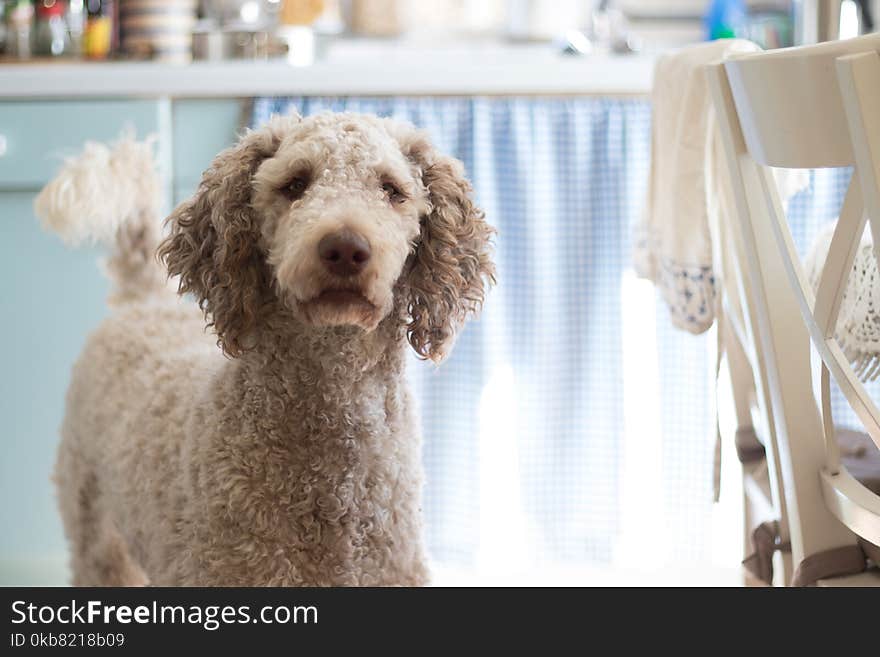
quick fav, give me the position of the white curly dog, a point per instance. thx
(284, 450)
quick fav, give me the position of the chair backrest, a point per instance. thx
(807, 107)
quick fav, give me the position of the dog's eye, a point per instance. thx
(393, 193)
(296, 187)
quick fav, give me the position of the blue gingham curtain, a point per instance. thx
(524, 424)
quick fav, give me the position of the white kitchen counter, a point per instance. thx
(348, 68)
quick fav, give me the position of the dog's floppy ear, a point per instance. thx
(213, 241)
(452, 264)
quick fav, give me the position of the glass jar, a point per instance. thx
(20, 22)
(376, 18)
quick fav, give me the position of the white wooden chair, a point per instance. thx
(808, 107)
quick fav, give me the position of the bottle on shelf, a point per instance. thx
(97, 39)
(725, 19)
(50, 34)
(3, 4)
(76, 19)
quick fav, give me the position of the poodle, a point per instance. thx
(284, 449)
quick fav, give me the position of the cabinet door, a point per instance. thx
(37, 135)
(202, 128)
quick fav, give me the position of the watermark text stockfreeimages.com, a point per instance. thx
(210, 617)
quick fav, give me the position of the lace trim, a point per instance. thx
(858, 325)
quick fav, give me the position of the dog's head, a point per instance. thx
(340, 219)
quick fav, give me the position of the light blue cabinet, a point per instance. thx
(51, 296)
(201, 129)
(39, 134)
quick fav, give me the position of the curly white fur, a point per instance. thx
(295, 459)
(96, 192)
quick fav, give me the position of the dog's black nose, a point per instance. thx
(344, 253)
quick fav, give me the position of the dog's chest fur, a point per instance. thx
(328, 477)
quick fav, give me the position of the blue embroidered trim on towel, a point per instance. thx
(690, 293)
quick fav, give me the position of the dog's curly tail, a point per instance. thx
(111, 193)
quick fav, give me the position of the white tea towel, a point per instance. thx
(683, 241)
(673, 244)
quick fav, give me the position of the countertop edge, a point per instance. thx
(598, 75)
